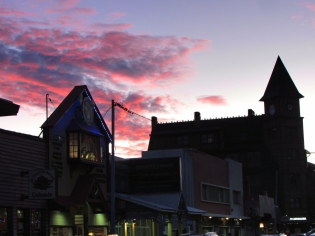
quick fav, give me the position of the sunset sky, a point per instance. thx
(157, 58)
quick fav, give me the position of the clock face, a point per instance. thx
(289, 106)
(88, 111)
(272, 109)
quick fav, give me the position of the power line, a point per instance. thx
(129, 111)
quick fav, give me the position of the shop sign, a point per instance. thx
(78, 209)
(42, 184)
(297, 218)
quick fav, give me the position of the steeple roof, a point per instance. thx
(280, 84)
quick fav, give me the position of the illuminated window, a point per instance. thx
(84, 146)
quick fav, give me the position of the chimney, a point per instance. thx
(154, 122)
(251, 112)
(197, 118)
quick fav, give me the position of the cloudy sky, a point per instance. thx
(157, 58)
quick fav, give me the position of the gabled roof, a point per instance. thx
(66, 104)
(280, 83)
(8, 108)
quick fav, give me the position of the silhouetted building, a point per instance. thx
(270, 147)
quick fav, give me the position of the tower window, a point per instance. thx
(291, 154)
(294, 178)
(291, 132)
(273, 133)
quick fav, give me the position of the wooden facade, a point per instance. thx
(19, 154)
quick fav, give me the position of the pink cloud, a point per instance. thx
(11, 12)
(311, 7)
(115, 16)
(213, 100)
(37, 58)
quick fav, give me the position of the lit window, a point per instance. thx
(84, 146)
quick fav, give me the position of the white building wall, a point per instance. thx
(236, 184)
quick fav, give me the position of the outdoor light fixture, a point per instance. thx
(261, 225)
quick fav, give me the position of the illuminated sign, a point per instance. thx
(298, 218)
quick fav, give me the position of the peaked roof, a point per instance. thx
(65, 105)
(280, 84)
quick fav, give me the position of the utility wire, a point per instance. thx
(127, 110)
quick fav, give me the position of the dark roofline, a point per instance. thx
(27, 136)
(280, 83)
(8, 108)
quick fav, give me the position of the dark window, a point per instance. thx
(291, 132)
(182, 140)
(294, 178)
(236, 197)
(291, 154)
(294, 203)
(273, 133)
(207, 138)
(243, 136)
(253, 158)
(215, 194)
(84, 146)
(233, 156)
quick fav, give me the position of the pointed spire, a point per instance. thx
(280, 84)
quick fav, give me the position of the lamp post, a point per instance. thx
(112, 180)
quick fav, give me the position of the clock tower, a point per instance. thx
(284, 140)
